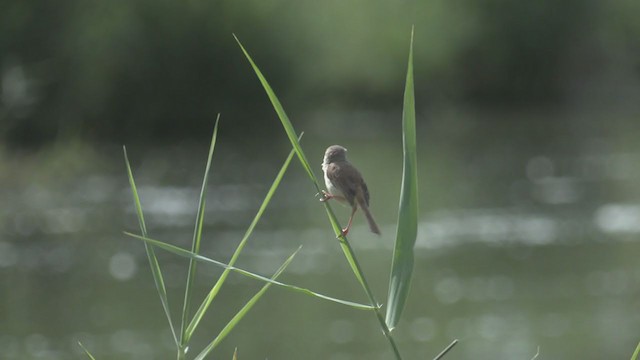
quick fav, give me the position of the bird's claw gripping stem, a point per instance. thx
(325, 196)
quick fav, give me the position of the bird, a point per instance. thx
(345, 184)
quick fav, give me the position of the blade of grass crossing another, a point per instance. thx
(402, 264)
(245, 309)
(197, 236)
(151, 256)
(216, 288)
(344, 243)
(186, 253)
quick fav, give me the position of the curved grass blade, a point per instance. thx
(402, 265)
(344, 243)
(245, 309)
(151, 256)
(86, 351)
(197, 236)
(216, 288)
(186, 253)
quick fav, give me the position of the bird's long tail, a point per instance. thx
(372, 223)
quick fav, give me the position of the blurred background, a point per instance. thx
(528, 128)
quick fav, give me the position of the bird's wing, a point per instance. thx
(365, 191)
(343, 177)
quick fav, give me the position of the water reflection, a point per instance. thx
(341, 331)
(423, 329)
(610, 283)
(122, 266)
(618, 218)
(8, 254)
(505, 226)
(552, 268)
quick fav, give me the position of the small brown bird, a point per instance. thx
(345, 184)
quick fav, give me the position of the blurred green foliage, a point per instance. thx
(160, 70)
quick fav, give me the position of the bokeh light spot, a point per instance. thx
(122, 266)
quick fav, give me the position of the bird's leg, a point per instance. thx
(345, 231)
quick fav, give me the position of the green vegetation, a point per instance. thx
(86, 351)
(407, 223)
(344, 243)
(402, 265)
(407, 231)
(403, 254)
(636, 353)
(189, 322)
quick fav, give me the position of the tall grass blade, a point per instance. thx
(197, 236)
(216, 288)
(86, 351)
(636, 353)
(402, 265)
(235, 354)
(151, 256)
(186, 253)
(291, 133)
(245, 309)
(288, 127)
(344, 243)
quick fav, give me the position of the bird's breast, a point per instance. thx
(332, 189)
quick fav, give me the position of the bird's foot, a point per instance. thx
(326, 196)
(344, 232)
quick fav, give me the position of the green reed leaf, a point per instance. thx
(197, 236)
(636, 353)
(288, 127)
(402, 265)
(218, 285)
(151, 256)
(86, 351)
(245, 309)
(447, 349)
(344, 243)
(186, 253)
